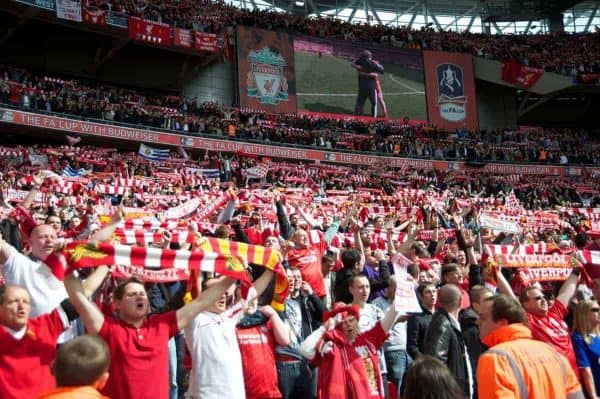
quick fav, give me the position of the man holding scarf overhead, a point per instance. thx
(138, 342)
(347, 360)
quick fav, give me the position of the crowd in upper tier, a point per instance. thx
(95, 100)
(566, 54)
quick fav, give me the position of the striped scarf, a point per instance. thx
(255, 254)
(82, 254)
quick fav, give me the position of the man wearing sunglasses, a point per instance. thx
(547, 323)
(517, 366)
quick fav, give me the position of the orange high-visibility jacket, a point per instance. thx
(516, 366)
(82, 392)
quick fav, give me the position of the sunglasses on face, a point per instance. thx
(537, 298)
(595, 310)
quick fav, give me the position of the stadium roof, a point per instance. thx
(505, 16)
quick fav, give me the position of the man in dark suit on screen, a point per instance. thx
(367, 69)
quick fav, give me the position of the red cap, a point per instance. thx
(340, 307)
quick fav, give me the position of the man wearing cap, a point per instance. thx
(347, 359)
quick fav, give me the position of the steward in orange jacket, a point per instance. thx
(517, 366)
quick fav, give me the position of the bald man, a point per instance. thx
(444, 338)
(46, 291)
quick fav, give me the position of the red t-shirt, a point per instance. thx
(25, 363)
(257, 347)
(553, 330)
(308, 261)
(139, 365)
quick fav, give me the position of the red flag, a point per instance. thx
(227, 47)
(513, 72)
(528, 76)
(510, 71)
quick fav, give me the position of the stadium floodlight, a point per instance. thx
(300, 3)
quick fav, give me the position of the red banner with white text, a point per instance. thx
(206, 42)
(182, 37)
(72, 126)
(149, 31)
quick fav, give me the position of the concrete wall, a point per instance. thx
(491, 71)
(215, 82)
(496, 105)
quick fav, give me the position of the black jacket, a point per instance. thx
(312, 309)
(444, 341)
(415, 333)
(286, 230)
(341, 287)
(470, 331)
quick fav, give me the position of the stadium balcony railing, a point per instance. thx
(270, 143)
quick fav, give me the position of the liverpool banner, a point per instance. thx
(182, 37)
(149, 31)
(206, 41)
(266, 70)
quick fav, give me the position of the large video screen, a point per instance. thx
(266, 70)
(344, 77)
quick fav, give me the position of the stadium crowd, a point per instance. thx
(562, 53)
(171, 274)
(19, 87)
(350, 250)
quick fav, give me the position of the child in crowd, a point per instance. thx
(80, 368)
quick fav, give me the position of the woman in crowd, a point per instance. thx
(586, 342)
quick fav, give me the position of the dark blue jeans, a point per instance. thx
(296, 380)
(397, 363)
